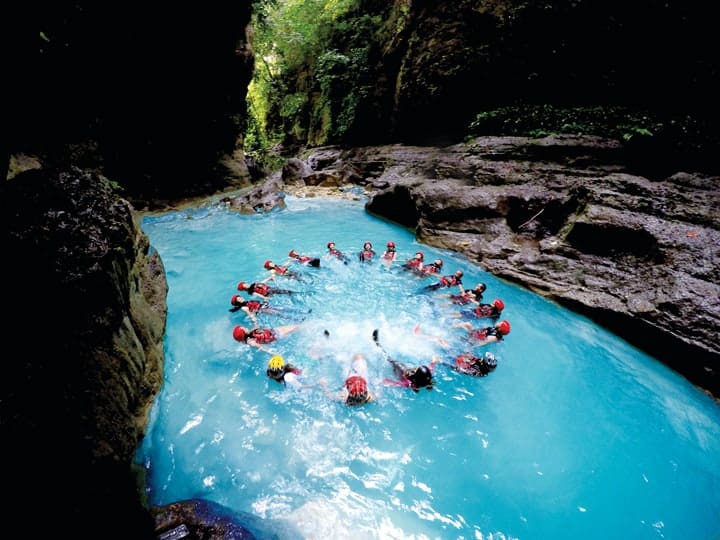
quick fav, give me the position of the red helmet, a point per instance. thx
(236, 299)
(499, 304)
(330, 244)
(503, 327)
(269, 264)
(239, 333)
(421, 255)
(242, 286)
(292, 253)
(356, 385)
(391, 244)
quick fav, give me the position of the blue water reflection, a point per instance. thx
(576, 434)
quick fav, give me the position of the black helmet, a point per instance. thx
(421, 376)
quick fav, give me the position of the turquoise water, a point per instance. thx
(575, 435)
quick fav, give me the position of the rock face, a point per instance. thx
(563, 217)
(86, 321)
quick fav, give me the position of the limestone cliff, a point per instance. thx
(84, 327)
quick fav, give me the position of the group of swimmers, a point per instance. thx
(355, 388)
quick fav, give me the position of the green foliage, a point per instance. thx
(541, 120)
(312, 69)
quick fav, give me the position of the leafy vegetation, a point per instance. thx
(313, 71)
(541, 120)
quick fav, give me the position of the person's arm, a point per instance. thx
(258, 346)
(488, 340)
(250, 314)
(262, 296)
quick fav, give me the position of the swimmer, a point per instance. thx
(483, 311)
(489, 334)
(257, 337)
(408, 377)
(390, 254)
(367, 253)
(303, 259)
(355, 389)
(469, 364)
(280, 372)
(261, 289)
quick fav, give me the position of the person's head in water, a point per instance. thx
(357, 390)
(420, 377)
(238, 301)
(391, 246)
(503, 327)
(276, 368)
(367, 246)
(241, 333)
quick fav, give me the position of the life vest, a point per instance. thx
(448, 281)
(466, 361)
(473, 365)
(302, 258)
(366, 254)
(459, 298)
(263, 335)
(254, 305)
(483, 333)
(282, 270)
(413, 263)
(485, 310)
(431, 268)
(260, 288)
(389, 255)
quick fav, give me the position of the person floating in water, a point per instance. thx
(303, 259)
(252, 308)
(261, 289)
(280, 372)
(470, 364)
(390, 254)
(453, 280)
(434, 267)
(416, 263)
(483, 311)
(489, 334)
(468, 296)
(413, 378)
(257, 337)
(480, 336)
(355, 389)
(284, 271)
(367, 253)
(336, 253)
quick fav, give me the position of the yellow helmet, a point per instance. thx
(276, 362)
